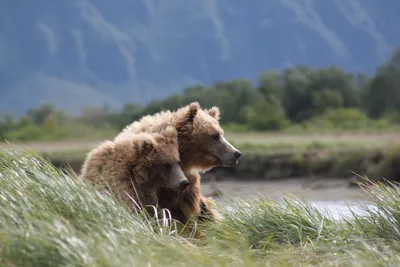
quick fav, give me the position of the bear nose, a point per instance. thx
(183, 186)
(237, 154)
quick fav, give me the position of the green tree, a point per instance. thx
(39, 115)
(326, 100)
(270, 83)
(382, 96)
(337, 80)
(295, 92)
(50, 125)
(231, 97)
(307, 91)
(266, 113)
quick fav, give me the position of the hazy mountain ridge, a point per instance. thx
(79, 53)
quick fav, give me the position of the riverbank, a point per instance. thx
(273, 156)
(320, 164)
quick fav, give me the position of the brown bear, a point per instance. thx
(135, 168)
(202, 146)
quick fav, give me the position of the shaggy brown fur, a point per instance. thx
(201, 146)
(136, 167)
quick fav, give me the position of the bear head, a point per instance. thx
(158, 160)
(148, 158)
(202, 143)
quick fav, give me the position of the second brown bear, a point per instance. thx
(135, 168)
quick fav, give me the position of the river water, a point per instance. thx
(331, 196)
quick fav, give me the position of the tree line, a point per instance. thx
(295, 96)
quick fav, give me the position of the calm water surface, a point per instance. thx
(332, 197)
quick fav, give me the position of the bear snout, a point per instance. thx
(184, 185)
(237, 154)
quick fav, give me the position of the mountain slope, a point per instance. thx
(81, 52)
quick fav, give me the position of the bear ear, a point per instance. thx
(214, 112)
(193, 109)
(148, 145)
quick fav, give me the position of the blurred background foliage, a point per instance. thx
(298, 98)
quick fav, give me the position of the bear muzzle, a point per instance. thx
(184, 185)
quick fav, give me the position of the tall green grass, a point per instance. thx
(50, 218)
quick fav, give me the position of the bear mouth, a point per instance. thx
(228, 162)
(232, 163)
(219, 162)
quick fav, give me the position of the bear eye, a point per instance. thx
(131, 166)
(167, 166)
(216, 135)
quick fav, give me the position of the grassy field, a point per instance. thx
(48, 218)
(249, 143)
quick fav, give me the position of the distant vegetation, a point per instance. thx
(295, 99)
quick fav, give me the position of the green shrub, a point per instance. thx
(29, 132)
(266, 113)
(345, 119)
